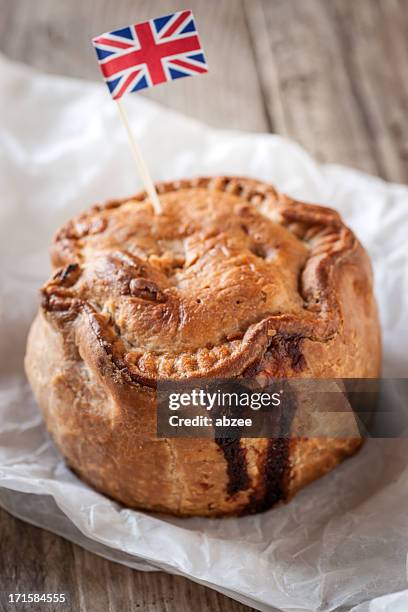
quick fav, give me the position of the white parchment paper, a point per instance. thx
(342, 543)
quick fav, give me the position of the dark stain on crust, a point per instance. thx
(282, 347)
(276, 466)
(234, 454)
(288, 346)
(275, 470)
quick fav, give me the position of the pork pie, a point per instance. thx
(231, 279)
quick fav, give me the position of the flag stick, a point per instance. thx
(140, 162)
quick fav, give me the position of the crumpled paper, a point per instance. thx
(342, 543)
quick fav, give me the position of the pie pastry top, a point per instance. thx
(231, 279)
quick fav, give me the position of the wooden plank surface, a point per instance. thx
(56, 37)
(329, 74)
(33, 560)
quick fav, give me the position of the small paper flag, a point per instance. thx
(149, 53)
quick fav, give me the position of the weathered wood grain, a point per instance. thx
(305, 81)
(331, 72)
(34, 560)
(56, 37)
(373, 42)
(327, 73)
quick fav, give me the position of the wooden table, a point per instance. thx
(330, 74)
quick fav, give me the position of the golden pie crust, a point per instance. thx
(231, 279)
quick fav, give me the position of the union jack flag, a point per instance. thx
(149, 53)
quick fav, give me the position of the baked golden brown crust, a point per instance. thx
(231, 279)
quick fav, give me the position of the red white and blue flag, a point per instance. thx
(149, 53)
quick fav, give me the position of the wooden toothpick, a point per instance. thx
(140, 162)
